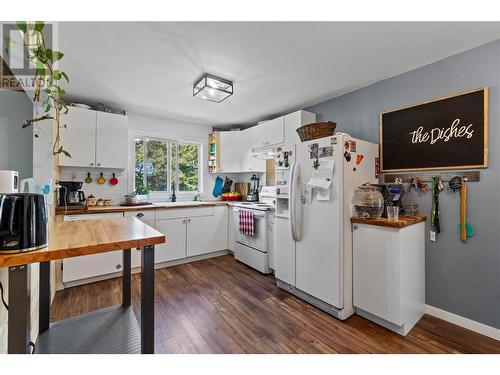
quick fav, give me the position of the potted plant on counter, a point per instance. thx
(139, 196)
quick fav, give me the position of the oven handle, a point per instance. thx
(257, 213)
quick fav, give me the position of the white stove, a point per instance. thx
(255, 250)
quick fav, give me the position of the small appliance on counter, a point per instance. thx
(393, 194)
(70, 194)
(23, 222)
(253, 196)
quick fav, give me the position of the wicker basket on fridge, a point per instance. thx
(316, 130)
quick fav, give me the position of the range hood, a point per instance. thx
(265, 153)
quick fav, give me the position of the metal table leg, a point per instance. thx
(44, 304)
(147, 299)
(19, 310)
(126, 276)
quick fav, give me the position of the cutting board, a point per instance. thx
(242, 188)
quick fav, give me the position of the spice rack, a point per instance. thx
(213, 152)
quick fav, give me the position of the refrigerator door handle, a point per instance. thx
(291, 201)
(295, 195)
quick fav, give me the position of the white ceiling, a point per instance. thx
(277, 67)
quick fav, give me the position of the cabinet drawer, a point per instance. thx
(84, 267)
(145, 215)
(176, 213)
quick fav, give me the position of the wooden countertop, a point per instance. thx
(74, 238)
(115, 208)
(404, 221)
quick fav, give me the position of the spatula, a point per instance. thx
(466, 229)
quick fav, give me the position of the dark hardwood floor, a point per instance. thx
(219, 305)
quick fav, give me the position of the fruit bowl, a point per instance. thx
(231, 196)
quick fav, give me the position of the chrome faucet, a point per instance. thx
(173, 197)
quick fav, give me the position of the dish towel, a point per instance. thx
(247, 222)
(217, 187)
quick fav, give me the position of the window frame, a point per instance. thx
(170, 143)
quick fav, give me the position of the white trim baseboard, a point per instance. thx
(472, 325)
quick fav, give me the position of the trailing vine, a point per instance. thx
(48, 92)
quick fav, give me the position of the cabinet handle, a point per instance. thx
(189, 220)
(98, 164)
(91, 164)
(118, 267)
(140, 214)
(184, 221)
(354, 227)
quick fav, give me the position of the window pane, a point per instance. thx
(139, 163)
(188, 167)
(157, 165)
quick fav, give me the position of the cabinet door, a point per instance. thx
(83, 267)
(275, 131)
(231, 229)
(376, 271)
(230, 151)
(256, 136)
(208, 233)
(175, 247)
(79, 138)
(112, 140)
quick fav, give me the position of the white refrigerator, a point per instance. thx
(313, 230)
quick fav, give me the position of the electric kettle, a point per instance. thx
(23, 222)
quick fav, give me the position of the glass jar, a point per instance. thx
(368, 202)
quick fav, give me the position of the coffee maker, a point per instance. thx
(70, 193)
(254, 192)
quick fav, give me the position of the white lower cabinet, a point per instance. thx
(175, 247)
(189, 232)
(206, 234)
(231, 229)
(389, 274)
(84, 267)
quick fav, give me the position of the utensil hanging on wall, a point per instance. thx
(88, 179)
(101, 180)
(437, 186)
(113, 180)
(464, 227)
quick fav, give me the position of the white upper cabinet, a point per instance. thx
(111, 140)
(275, 131)
(267, 133)
(257, 135)
(230, 151)
(94, 139)
(79, 138)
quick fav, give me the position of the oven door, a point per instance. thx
(259, 240)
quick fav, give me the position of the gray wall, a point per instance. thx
(16, 145)
(460, 278)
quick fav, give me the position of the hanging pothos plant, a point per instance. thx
(48, 92)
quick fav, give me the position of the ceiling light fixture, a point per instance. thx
(212, 88)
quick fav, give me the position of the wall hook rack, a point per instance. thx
(469, 176)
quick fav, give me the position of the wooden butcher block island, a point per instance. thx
(110, 330)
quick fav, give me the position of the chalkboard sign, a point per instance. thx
(445, 133)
